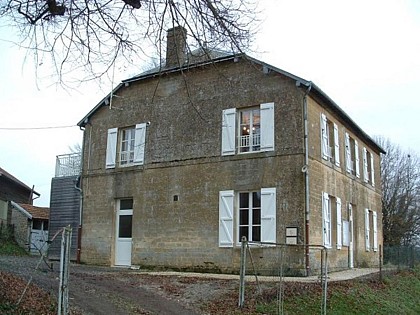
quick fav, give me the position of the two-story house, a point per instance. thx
(180, 163)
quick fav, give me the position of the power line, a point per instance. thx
(36, 128)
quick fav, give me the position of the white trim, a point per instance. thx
(336, 146)
(339, 225)
(228, 131)
(267, 126)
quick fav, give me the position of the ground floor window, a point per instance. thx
(251, 214)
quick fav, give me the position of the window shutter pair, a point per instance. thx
(229, 129)
(268, 216)
(139, 145)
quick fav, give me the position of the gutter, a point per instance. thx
(24, 212)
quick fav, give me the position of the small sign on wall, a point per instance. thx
(291, 235)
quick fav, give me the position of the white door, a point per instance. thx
(39, 236)
(124, 233)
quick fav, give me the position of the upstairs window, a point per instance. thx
(352, 156)
(125, 147)
(330, 147)
(368, 167)
(249, 133)
(248, 130)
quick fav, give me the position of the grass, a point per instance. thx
(397, 293)
(11, 248)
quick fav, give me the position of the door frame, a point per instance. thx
(122, 243)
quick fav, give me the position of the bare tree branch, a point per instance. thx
(93, 34)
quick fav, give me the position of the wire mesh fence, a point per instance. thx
(400, 257)
(273, 262)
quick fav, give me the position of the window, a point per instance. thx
(130, 146)
(250, 216)
(352, 156)
(332, 225)
(248, 130)
(368, 167)
(249, 133)
(255, 216)
(330, 146)
(371, 230)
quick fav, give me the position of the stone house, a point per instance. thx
(180, 163)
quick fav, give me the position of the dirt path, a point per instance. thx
(101, 290)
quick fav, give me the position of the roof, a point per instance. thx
(223, 57)
(32, 212)
(16, 181)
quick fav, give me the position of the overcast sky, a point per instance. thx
(364, 54)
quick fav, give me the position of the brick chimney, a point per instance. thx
(176, 46)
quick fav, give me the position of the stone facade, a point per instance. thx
(175, 189)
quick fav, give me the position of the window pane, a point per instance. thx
(256, 199)
(124, 228)
(256, 233)
(126, 204)
(243, 200)
(243, 231)
(256, 216)
(243, 217)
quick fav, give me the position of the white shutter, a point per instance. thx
(348, 153)
(268, 215)
(139, 144)
(226, 218)
(367, 230)
(375, 231)
(326, 221)
(356, 158)
(372, 171)
(336, 146)
(324, 138)
(267, 126)
(111, 148)
(339, 224)
(365, 166)
(228, 131)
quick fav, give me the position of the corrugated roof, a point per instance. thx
(13, 179)
(36, 212)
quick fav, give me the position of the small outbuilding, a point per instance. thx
(31, 226)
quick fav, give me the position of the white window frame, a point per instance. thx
(231, 130)
(229, 218)
(113, 157)
(251, 224)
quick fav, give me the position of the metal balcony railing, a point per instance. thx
(68, 164)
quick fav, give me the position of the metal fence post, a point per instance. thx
(242, 273)
(63, 294)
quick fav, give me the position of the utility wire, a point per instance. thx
(36, 128)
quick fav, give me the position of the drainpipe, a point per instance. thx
(305, 170)
(79, 229)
